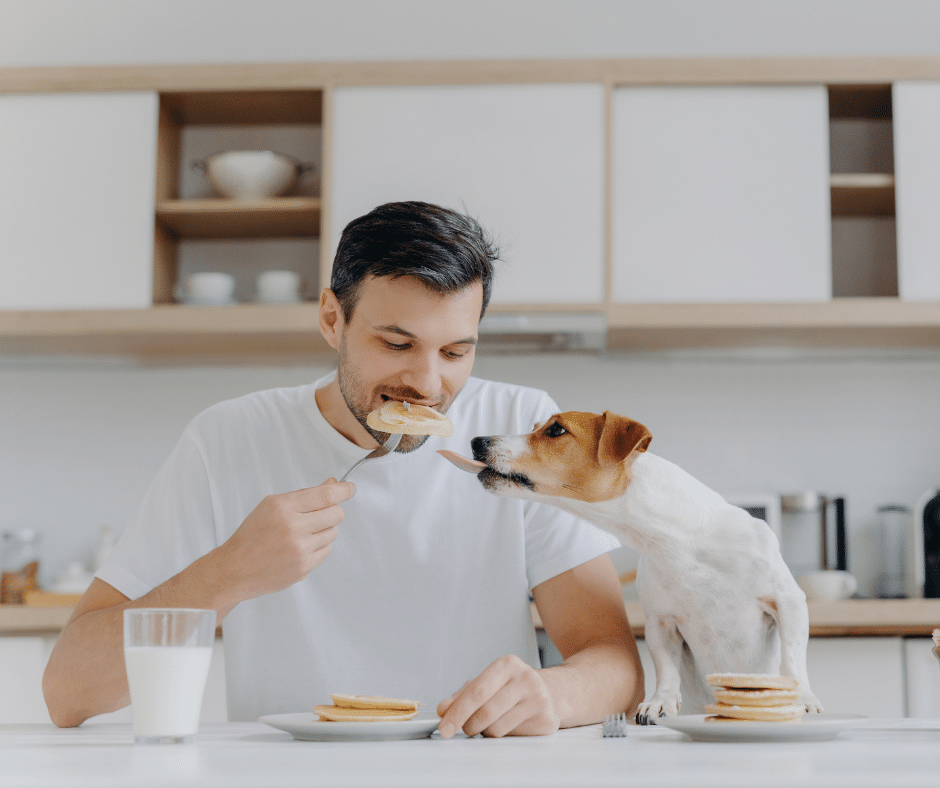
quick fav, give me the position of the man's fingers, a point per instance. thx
(323, 496)
(470, 699)
(491, 713)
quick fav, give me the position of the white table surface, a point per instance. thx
(886, 753)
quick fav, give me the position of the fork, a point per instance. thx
(615, 726)
(390, 445)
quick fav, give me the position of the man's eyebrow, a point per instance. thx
(393, 329)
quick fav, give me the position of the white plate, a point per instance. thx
(813, 727)
(306, 726)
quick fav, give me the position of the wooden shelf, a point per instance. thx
(846, 322)
(256, 333)
(244, 107)
(261, 333)
(862, 194)
(845, 618)
(281, 217)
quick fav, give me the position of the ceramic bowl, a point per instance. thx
(251, 174)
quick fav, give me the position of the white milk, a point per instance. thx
(166, 684)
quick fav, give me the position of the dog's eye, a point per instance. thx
(555, 430)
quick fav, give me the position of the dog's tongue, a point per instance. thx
(470, 466)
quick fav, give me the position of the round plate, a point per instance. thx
(306, 726)
(813, 727)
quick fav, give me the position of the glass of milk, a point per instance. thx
(167, 652)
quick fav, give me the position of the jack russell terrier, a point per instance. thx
(717, 595)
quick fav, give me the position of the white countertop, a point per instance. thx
(886, 753)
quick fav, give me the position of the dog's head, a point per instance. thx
(583, 456)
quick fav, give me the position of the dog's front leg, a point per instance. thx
(792, 619)
(665, 645)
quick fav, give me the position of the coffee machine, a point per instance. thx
(812, 532)
(924, 547)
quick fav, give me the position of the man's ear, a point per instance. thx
(331, 318)
(620, 437)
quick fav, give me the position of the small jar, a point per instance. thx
(19, 565)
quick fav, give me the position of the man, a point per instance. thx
(423, 590)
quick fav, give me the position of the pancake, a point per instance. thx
(412, 420)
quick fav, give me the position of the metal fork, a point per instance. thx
(390, 445)
(615, 726)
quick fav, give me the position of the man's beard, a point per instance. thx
(351, 387)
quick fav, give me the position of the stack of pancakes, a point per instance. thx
(756, 697)
(367, 708)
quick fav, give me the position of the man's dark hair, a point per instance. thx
(445, 250)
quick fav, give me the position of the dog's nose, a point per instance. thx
(480, 447)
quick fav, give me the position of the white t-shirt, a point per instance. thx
(426, 584)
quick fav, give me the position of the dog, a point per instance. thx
(716, 593)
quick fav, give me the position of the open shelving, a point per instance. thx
(859, 89)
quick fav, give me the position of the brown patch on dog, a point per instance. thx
(584, 456)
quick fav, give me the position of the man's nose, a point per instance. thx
(423, 374)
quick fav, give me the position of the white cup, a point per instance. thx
(278, 287)
(828, 584)
(167, 652)
(207, 287)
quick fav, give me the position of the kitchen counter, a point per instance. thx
(852, 617)
(883, 753)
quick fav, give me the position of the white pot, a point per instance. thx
(251, 174)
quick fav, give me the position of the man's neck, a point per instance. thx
(333, 406)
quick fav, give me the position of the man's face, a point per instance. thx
(406, 342)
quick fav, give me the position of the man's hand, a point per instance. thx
(284, 538)
(508, 698)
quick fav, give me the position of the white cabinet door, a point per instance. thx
(916, 110)
(922, 670)
(77, 180)
(858, 675)
(721, 194)
(23, 660)
(527, 161)
(849, 675)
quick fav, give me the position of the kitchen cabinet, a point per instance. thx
(526, 160)
(194, 125)
(23, 659)
(77, 178)
(922, 676)
(869, 676)
(917, 169)
(543, 169)
(721, 194)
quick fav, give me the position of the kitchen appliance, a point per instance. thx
(924, 547)
(251, 174)
(813, 535)
(763, 506)
(890, 559)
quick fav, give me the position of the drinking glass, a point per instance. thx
(167, 652)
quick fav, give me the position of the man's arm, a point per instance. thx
(582, 612)
(279, 543)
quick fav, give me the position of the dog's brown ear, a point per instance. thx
(619, 437)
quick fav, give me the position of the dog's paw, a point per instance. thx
(813, 706)
(651, 710)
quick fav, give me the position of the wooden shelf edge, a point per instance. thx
(846, 618)
(212, 218)
(246, 333)
(313, 75)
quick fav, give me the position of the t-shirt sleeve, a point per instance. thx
(174, 527)
(556, 541)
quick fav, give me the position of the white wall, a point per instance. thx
(63, 32)
(80, 440)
